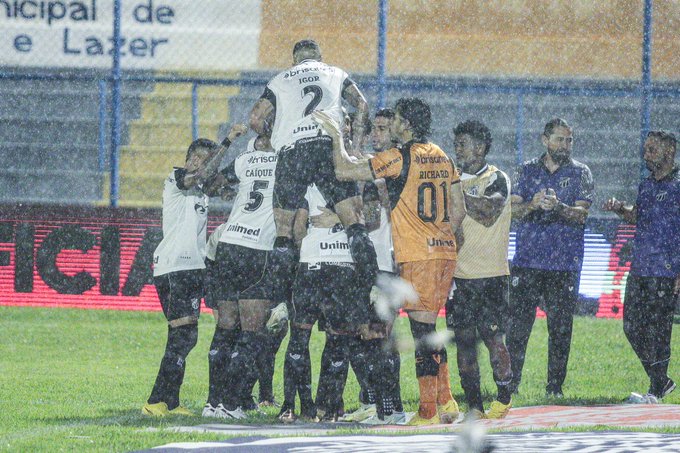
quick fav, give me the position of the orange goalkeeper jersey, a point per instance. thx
(419, 177)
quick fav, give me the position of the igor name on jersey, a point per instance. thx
(308, 86)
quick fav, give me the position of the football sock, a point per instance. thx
(297, 371)
(392, 379)
(443, 379)
(265, 364)
(218, 361)
(181, 340)
(427, 368)
(358, 359)
(468, 367)
(335, 376)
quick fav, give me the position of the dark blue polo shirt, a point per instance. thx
(656, 250)
(545, 240)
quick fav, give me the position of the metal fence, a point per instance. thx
(183, 68)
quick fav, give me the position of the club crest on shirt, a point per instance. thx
(198, 207)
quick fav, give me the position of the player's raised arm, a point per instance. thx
(207, 170)
(356, 99)
(346, 168)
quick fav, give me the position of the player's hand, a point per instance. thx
(327, 123)
(236, 131)
(278, 319)
(613, 205)
(327, 218)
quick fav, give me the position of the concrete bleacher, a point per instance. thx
(49, 133)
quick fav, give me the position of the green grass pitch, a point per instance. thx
(74, 380)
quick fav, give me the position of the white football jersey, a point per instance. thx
(185, 223)
(323, 245)
(298, 91)
(251, 221)
(213, 240)
(382, 242)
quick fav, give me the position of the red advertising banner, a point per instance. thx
(101, 258)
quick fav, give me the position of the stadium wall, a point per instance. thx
(101, 258)
(509, 38)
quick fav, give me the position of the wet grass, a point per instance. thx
(74, 380)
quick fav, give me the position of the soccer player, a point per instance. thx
(325, 288)
(239, 282)
(550, 198)
(377, 359)
(653, 283)
(179, 266)
(305, 156)
(427, 209)
(479, 302)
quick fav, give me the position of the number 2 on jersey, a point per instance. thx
(427, 195)
(317, 94)
(256, 197)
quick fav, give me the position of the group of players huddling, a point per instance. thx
(321, 232)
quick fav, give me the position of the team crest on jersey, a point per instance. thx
(337, 228)
(474, 190)
(515, 281)
(194, 304)
(564, 182)
(661, 196)
(198, 207)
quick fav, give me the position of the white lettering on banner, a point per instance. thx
(155, 34)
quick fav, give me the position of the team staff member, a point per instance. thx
(653, 283)
(304, 156)
(179, 266)
(550, 198)
(479, 302)
(427, 209)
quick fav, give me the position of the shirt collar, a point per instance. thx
(480, 172)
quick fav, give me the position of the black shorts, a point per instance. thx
(551, 291)
(309, 161)
(180, 293)
(480, 303)
(329, 292)
(238, 273)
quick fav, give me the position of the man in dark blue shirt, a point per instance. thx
(551, 196)
(654, 280)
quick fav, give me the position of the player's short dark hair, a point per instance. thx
(199, 144)
(554, 123)
(666, 137)
(385, 113)
(306, 44)
(418, 114)
(477, 130)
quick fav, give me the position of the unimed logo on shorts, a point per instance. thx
(96, 258)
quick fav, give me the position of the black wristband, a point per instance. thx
(226, 142)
